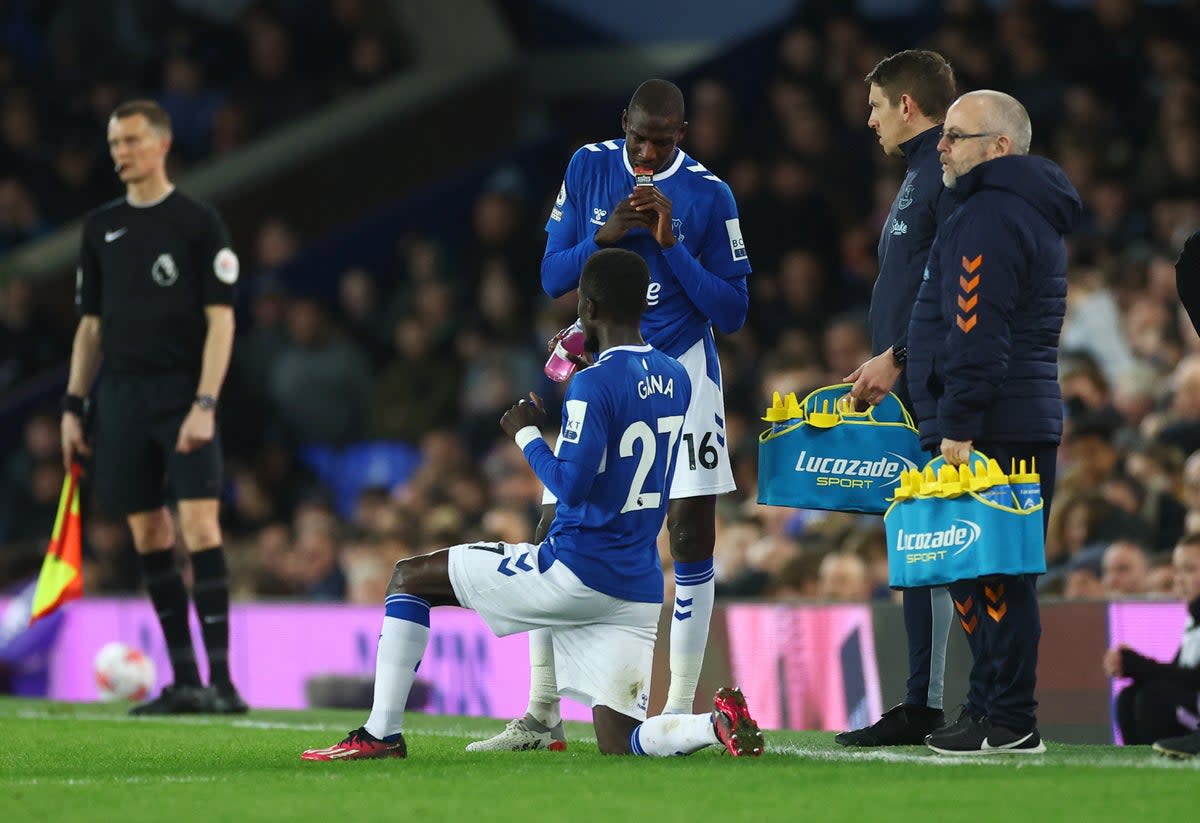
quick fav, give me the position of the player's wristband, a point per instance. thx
(527, 435)
(74, 404)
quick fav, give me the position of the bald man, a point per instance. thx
(983, 373)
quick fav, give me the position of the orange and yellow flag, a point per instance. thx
(61, 578)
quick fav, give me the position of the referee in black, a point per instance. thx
(154, 291)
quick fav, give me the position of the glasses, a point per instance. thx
(953, 137)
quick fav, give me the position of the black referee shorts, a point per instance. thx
(137, 424)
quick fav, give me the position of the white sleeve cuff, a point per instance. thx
(527, 435)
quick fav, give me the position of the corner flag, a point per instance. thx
(61, 578)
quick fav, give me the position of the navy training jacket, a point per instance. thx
(920, 206)
(917, 210)
(983, 339)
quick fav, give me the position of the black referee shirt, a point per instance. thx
(148, 272)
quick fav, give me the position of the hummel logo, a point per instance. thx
(598, 216)
(110, 236)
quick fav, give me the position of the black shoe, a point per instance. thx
(176, 699)
(972, 736)
(1181, 748)
(903, 725)
(226, 700)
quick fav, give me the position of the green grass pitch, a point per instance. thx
(63, 762)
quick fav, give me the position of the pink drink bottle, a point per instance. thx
(559, 367)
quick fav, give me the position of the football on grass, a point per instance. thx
(123, 672)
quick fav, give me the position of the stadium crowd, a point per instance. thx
(431, 351)
(226, 72)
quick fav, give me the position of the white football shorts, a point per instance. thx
(702, 467)
(603, 646)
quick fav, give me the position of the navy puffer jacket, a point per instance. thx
(983, 339)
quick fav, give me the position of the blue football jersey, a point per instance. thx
(704, 222)
(620, 424)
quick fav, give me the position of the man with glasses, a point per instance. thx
(983, 372)
(909, 94)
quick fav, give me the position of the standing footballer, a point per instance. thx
(154, 291)
(641, 192)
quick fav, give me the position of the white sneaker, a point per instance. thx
(523, 734)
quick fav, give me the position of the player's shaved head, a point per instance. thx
(616, 281)
(658, 98)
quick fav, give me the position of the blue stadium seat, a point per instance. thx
(347, 471)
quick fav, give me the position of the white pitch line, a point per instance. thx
(241, 723)
(1052, 758)
(145, 780)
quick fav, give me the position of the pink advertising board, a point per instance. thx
(806, 667)
(1154, 629)
(276, 648)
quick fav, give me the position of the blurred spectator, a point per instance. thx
(272, 91)
(1092, 453)
(1160, 582)
(192, 106)
(40, 443)
(320, 384)
(275, 244)
(362, 315)
(19, 218)
(843, 577)
(418, 390)
(1083, 579)
(1163, 698)
(847, 344)
(870, 544)
(1126, 569)
(1182, 427)
(800, 578)
(313, 566)
(29, 342)
(30, 513)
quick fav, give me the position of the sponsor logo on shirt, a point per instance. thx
(164, 271)
(576, 412)
(599, 216)
(899, 227)
(556, 214)
(737, 246)
(225, 266)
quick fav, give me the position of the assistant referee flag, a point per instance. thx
(61, 578)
